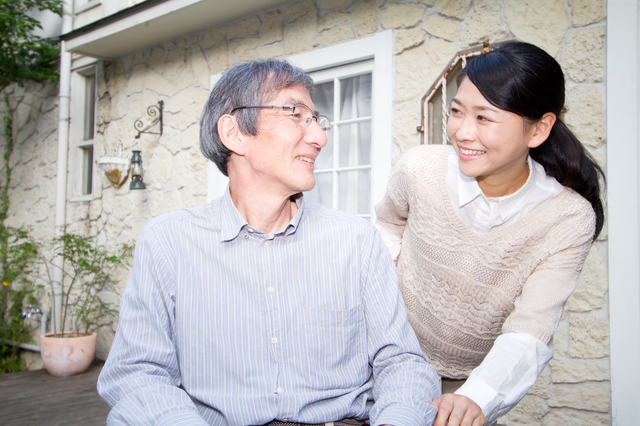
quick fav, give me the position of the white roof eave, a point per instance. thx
(157, 24)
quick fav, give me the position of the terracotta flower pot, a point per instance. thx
(69, 355)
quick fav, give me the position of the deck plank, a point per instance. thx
(35, 398)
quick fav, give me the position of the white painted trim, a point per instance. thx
(623, 139)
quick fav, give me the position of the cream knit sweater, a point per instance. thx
(462, 288)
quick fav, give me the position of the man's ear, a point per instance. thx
(542, 129)
(230, 134)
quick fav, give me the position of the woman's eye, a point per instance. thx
(455, 111)
(481, 118)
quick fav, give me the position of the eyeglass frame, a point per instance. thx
(292, 108)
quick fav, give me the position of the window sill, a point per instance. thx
(81, 198)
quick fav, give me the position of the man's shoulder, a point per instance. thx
(337, 219)
(179, 218)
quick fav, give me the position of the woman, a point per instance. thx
(494, 231)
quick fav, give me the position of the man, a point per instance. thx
(258, 308)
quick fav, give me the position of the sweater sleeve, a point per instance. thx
(539, 307)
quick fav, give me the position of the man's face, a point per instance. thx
(282, 154)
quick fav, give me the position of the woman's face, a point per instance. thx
(492, 144)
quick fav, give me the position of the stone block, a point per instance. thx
(135, 83)
(189, 96)
(243, 50)
(25, 132)
(247, 27)
(585, 12)
(365, 17)
(585, 117)
(158, 59)
(479, 4)
(457, 9)
(118, 107)
(588, 337)
(213, 36)
(95, 209)
(218, 58)
(272, 28)
(543, 22)
(180, 175)
(122, 208)
(199, 183)
(160, 168)
(529, 411)
(485, 25)
(297, 10)
(270, 51)
(542, 386)
(582, 55)
(442, 27)
(334, 35)
(408, 39)
(406, 119)
(590, 396)
(336, 4)
(417, 69)
(197, 161)
(570, 417)
(187, 117)
(593, 282)
(401, 16)
(332, 20)
(176, 63)
(190, 137)
(200, 67)
(561, 337)
(299, 36)
(104, 342)
(578, 371)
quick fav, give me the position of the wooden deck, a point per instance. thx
(35, 398)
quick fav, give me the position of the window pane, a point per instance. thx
(355, 97)
(87, 170)
(355, 191)
(323, 99)
(323, 191)
(89, 106)
(355, 144)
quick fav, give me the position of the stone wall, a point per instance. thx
(574, 389)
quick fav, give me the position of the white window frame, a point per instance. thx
(77, 141)
(378, 47)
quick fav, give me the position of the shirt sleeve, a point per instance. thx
(509, 370)
(404, 383)
(141, 377)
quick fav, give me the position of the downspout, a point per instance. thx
(63, 154)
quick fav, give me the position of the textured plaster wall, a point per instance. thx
(574, 389)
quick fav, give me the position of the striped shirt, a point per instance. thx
(222, 324)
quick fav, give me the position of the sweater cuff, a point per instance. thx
(404, 415)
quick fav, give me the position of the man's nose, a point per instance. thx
(315, 135)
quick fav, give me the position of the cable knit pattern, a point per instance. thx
(462, 288)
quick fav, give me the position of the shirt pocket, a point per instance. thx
(339, 338)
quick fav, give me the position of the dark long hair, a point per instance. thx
(525, 80)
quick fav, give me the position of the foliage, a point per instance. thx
(18, 254)
(88, 270)
(23, 55)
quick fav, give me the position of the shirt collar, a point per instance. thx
(232, 222)
(469, 190)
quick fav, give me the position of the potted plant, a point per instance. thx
(87, 271)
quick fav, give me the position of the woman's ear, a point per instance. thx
(542, 129)
(230, 134)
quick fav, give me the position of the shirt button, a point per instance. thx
(249, 229)
(280, 390)
(274, 340)
(271, 289)
(267, 243)
(246, 237)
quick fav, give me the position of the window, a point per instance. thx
(354, 88)
(81, 133)
(434, 110)
(343, 168)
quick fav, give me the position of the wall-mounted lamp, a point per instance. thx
(118, 167)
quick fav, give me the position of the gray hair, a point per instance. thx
(247, 84)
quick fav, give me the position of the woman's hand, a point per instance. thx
(458, 410)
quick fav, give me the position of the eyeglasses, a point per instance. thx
(300, 113)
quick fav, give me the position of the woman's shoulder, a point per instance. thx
(423, 157)
(570, 209)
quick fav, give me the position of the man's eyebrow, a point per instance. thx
(293, 101)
